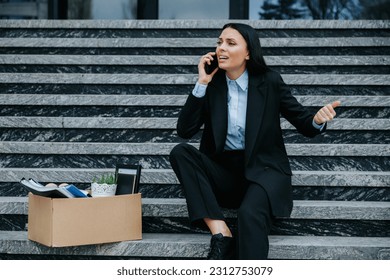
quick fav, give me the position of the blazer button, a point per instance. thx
(266, 168)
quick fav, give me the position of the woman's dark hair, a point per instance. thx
(256, 63)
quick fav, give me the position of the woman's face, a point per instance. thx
(232, 53)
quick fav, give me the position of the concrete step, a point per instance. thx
(346, 210)
(195, 24)
(168, 100)
(163, 123)
(183, 79)
(167, 176)
(195, 246)
(180, 89)
(189, 60)
(336, 187)
(70, 148)
(188, 42)
(176, 207)
(351, 135)
(163, 69)
(318, 218)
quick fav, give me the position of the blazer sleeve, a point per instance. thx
(191, 116)
(299, 116)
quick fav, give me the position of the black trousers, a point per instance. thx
(212, 183)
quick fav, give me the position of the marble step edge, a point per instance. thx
(167, 176)
(169, 100)
(194, 24)
(303, 209)
(175, 60)
(163, 123)
(183, 79)
(189, 42)
(197, 245)
(89, 148)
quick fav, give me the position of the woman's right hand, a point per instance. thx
(203, 77)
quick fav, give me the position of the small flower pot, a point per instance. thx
(101, 190)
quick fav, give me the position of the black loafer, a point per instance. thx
(221, 247)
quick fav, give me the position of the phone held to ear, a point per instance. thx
(210, 68)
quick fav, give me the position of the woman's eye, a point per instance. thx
(219, 43)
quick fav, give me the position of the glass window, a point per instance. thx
(102, 9)
(299, 9)
(113, 9)
(193, 9)
(254, 9)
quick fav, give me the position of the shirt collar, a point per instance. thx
(241, 81)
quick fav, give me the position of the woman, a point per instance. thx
(242, 161)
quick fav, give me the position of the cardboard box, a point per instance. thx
(58, 222)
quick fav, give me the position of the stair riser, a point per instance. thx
(170, 136)
(172, 33)
(281, 227)
(299, 163)
(377, 50)
(179, 89)
(299, 192)
(154, 111)
(186, 69)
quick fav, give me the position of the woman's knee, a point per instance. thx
(179, 151)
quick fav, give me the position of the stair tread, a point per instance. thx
(96, 148)
(164, 123)
(175, 60)
(196, 246)
(169, 100)
(167, 176)
(183, 79)
(301, 42)
(303, 209)
(195, 24)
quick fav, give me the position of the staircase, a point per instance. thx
(78, 97)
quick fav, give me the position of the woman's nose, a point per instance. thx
(222, 47)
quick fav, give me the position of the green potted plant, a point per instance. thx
(105, 185)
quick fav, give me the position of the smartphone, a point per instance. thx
(214, 64)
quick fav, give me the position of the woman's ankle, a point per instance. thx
(218, 226)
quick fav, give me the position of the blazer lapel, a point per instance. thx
(218, 107)
(256, 106)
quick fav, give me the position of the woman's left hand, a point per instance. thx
(326, 113)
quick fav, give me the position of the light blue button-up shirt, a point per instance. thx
(237, 100)
(237, 104)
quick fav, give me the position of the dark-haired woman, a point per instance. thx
(241, 162)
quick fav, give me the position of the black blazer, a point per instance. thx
(266, 161)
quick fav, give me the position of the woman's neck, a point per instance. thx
(234, 75)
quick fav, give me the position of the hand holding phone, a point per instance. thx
(213, 65)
